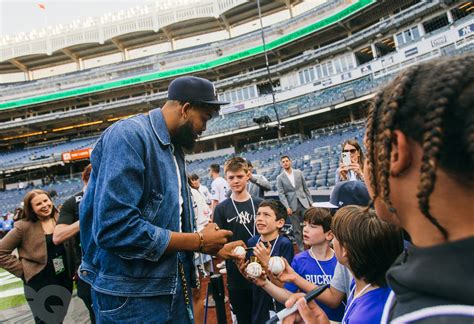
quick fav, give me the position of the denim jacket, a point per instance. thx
(130, 206)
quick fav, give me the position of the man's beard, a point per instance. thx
(185, 136)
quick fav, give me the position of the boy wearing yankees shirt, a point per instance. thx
(237, 213)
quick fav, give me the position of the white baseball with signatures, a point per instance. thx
(276, 265)
(254, 269)
(239, 251)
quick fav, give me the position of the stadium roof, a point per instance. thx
(151, 28)
(61, 124)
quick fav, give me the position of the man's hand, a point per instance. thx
(227, 251)
(214, 238)
(289, 211)
(308, 312)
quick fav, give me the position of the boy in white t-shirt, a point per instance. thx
(219, 186)
(196, 184)
(202, 215)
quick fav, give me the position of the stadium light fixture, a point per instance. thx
(77, 126)
(465, 5)
(118, 118)
(267, 65)
(23, 136)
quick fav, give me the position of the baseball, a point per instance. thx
(239, 251)
(254, 270)
(276, 265)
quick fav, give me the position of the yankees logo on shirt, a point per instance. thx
(243, 218)
(238, 217)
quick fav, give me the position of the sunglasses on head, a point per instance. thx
(352, 151)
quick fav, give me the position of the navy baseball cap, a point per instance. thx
(346, 193)
(191, 88)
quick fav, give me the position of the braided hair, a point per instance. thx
(433, 104)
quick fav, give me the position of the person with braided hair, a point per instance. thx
(420, 175)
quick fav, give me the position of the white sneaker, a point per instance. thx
(223, 271)
(221, 265)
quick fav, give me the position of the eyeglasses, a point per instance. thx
(352, 151)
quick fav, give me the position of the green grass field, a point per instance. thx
(12, 285)
(12, 301)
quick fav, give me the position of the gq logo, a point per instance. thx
(50, 303)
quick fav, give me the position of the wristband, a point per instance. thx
(201, 241)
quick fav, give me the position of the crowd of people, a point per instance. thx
(394, 243)
(6, 224)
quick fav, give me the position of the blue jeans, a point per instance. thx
(156, 309)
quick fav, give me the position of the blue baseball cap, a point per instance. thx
(191, 88)
(346, 193)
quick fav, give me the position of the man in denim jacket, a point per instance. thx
(136, 221)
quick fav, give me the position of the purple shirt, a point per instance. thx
(307, 267)
(367, 308)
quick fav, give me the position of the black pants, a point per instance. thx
(241, 301)
(84, 293)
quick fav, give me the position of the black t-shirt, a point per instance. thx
(48, 275)
(70, 211)
(68, 215)
(242, 223)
